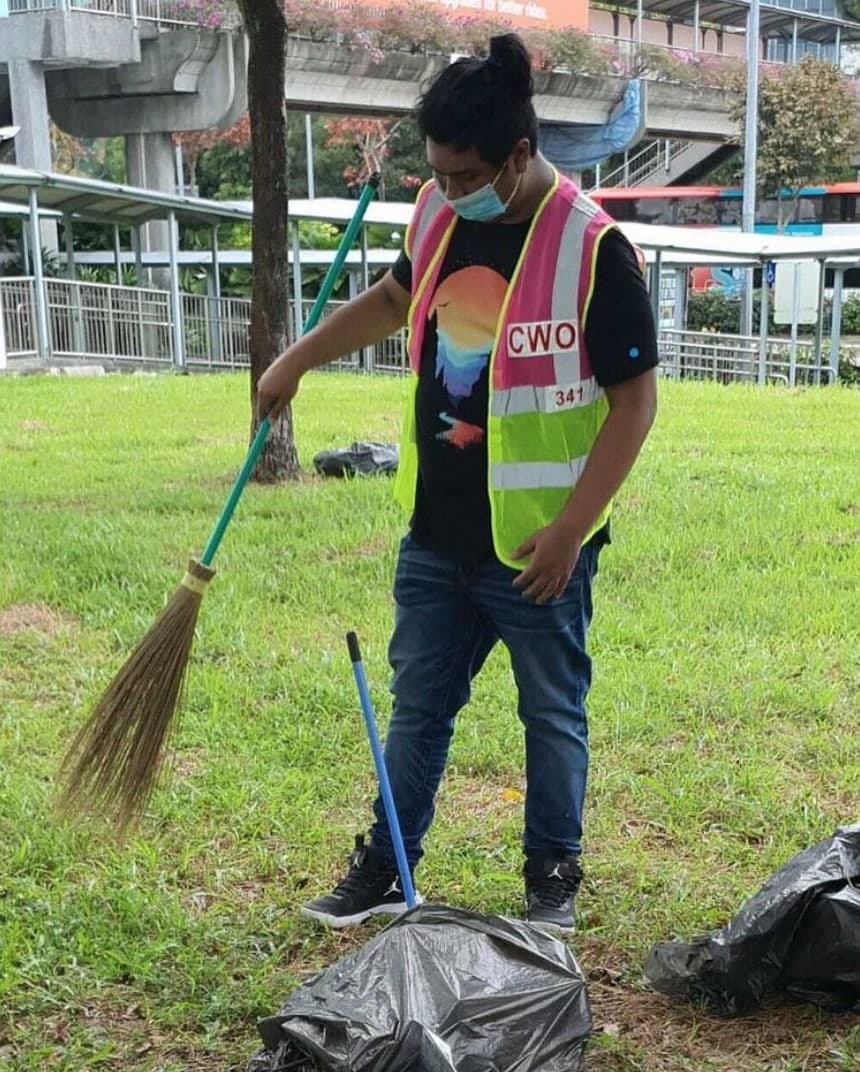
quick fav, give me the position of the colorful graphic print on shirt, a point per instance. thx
(466, 309)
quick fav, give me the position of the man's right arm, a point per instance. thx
(366, 320)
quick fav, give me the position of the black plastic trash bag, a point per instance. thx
(799, 937)
(361, 459)
(439, 990)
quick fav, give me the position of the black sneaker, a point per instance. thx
(371, 887)
(551, 884)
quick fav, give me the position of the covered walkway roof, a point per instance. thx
(107, 202)
(776, 19)
(724, 246)
(112, 203)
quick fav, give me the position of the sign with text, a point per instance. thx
(795, 293)
(521, 14)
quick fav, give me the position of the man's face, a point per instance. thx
(460, 173)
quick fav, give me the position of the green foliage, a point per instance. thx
(576, 50)
(103, 273)
(224, 173)
(103, 158)
(315, 234)
(851, 316)
(709, 310)
(808, 127)
(13, 262)
(849, 370)
(723, 713)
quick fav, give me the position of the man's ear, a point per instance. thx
(521, 155)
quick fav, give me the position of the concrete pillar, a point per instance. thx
(149, 164)
(30, 113)
(33, 140)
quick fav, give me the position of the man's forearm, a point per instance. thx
(366, 320)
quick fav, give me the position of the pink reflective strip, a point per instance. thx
(531, 303)
(429, 236)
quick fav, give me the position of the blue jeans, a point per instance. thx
(448, 618)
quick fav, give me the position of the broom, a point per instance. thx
(113, 762)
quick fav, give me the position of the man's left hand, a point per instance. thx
(554, 553)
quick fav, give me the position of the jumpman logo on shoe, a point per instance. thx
(393, 888)
(555, 873)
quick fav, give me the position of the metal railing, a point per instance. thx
(705, 355)
(121, 325)
(123, 8)
(657, 155)
(215, 331)
(132, 327)
(18, 310)
(170, 13)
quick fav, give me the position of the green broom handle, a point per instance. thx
(367, 195)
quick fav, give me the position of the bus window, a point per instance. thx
(653, 210)
(698, 211)
(729, 211)
(808, 210)
(833, 208)
(619, 208)
(841, 208)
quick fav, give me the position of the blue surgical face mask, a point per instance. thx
(482, 205)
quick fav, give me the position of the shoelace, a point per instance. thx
(358, 876)
(552, 891)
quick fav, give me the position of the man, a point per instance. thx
(533, 344)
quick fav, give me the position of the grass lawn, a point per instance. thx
(724, 715)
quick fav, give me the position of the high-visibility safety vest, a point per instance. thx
(545, 406)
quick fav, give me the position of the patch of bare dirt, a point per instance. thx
(33, 426)
(33, 616)
(654, 1035)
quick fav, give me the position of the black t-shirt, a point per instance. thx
(452, 505)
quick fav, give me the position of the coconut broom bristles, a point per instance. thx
(113, 762)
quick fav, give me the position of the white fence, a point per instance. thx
(705, 355)
(132, 327)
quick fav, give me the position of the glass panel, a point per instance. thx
(809, 210)
(850, 208)
(620, 209)
(833, 208)
(730, 211)
(658, 210)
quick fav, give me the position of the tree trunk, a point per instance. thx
(266, 28)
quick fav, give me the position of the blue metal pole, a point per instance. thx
(382, 771)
